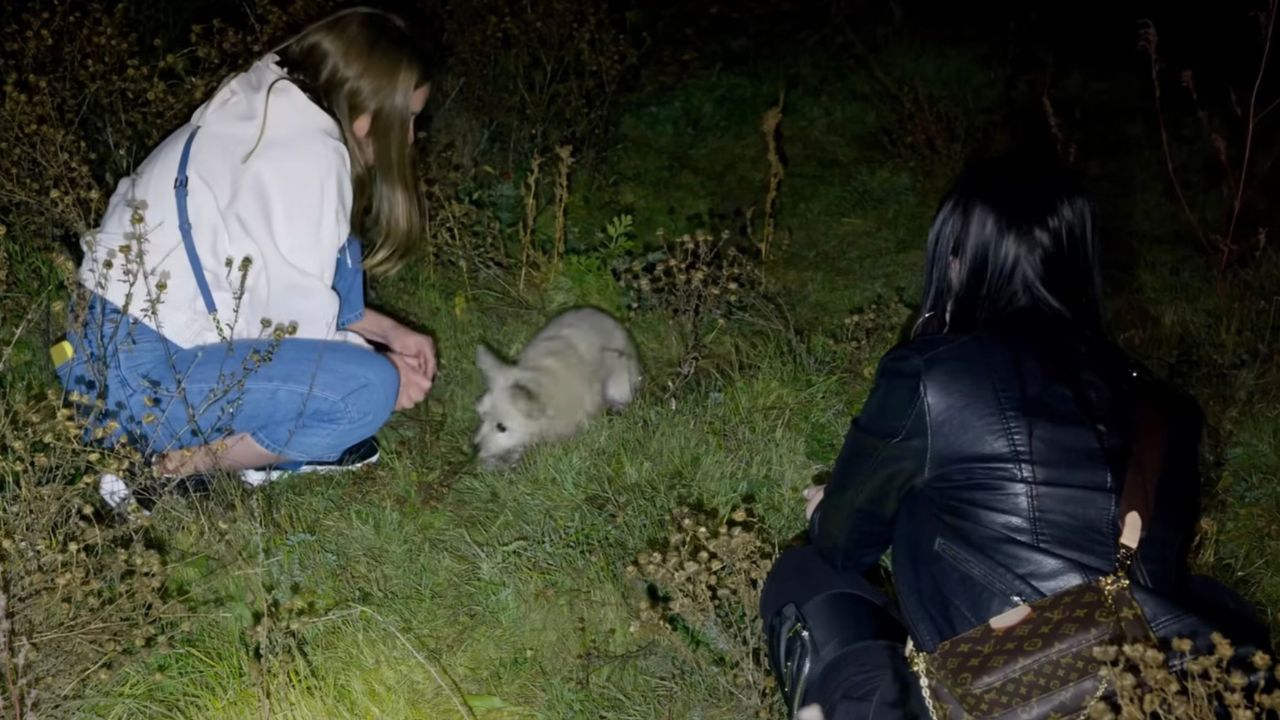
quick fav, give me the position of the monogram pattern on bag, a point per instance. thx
(1042, 665)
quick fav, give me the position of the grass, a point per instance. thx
(392, 593)
(513, 582)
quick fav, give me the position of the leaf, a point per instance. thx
(619, 227)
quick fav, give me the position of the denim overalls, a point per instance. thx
(301, 399)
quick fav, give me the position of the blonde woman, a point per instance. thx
(226, 326)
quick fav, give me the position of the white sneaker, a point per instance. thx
(362, 453)
(117, 494)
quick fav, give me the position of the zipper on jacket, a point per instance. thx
(970, 567)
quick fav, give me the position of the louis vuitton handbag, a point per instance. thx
(1036, 660)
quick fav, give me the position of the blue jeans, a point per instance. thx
(304, 400)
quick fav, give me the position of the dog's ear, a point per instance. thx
(488, 363)
(527, 401)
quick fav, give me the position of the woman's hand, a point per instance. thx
(812, 496)
(414, 383)
(416, 350)
(811, 712)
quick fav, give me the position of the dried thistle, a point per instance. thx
(77, 591)
(1144, 686)
(706, 580)
(694, 278)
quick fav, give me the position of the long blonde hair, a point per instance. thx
(358, 61)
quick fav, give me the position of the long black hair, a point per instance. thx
(1013, 239)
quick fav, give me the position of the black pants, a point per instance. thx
(858, 670)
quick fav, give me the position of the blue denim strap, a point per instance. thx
(348, 282)
(184, 225)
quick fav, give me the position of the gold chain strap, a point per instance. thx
(1111, 584)
(920, 666)
(1119, 579)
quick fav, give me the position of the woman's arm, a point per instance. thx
(884, 456)
(377, 327)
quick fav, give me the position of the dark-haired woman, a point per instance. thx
(990, 457)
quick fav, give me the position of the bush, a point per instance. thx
(79, 591)
(704, 586)
(86, 96)
(529, 75)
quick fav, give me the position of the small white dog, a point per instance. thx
(582, 361)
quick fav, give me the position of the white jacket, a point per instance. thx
(286, 206)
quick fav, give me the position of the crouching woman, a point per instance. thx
(991, 458)
(225, 326)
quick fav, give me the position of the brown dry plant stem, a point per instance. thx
(530, 191)
(1065, 148)
(564, 154)
(769, 125)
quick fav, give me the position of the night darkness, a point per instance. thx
(747, 186)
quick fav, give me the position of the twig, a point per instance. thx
(1267, 109)
(1248, 142)
(565, 155)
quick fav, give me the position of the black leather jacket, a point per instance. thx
(992, 465)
